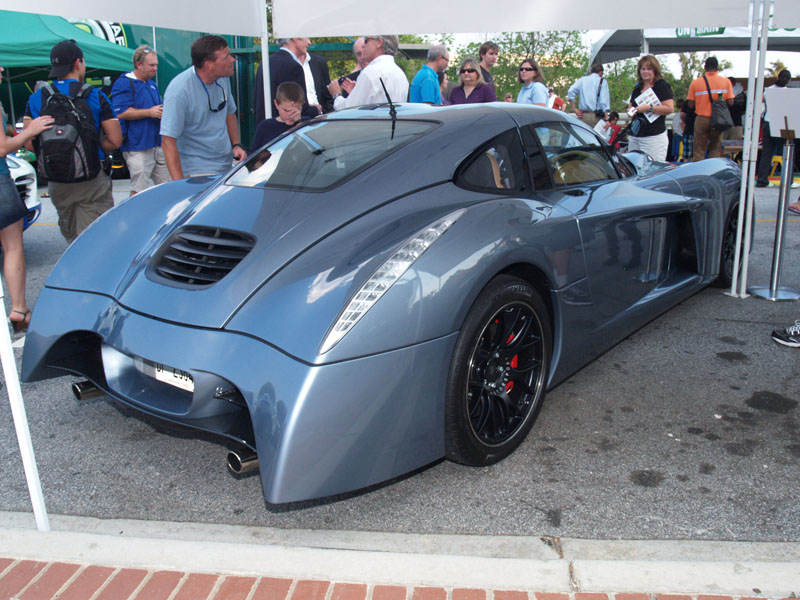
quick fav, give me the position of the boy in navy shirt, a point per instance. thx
(289, 98)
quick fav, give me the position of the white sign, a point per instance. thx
(783, 109)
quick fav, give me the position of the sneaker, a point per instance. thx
(795, 185)
(789, 336)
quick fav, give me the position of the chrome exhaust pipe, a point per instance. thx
(84, 390)
(242, 460)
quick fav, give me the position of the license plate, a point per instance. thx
(169, 375)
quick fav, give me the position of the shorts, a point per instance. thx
(147, 168)
(12, 209)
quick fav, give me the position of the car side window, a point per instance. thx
(496, 166)
(537, 161)
(575, 156)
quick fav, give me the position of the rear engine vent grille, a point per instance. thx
(198, 257)
(24, 184)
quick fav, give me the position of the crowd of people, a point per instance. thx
(194, 130)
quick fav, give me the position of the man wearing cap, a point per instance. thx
(78, 204)
(199, 130)
(137, 102)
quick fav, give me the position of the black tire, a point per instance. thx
(498, 373)
(728, 250)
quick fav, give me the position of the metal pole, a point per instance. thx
(265, 61)
(12, 114)
(21, 422)
(749, 142)
(774, 292)
(759, 93)
(155, 49)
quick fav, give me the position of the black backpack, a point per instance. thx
(70, 151)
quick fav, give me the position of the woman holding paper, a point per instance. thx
(651, 100)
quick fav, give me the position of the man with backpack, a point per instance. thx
(137, 102)
(70, 155)
(702, 91)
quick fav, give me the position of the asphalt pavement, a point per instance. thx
(686, 432)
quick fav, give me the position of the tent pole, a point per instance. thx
(21, 422)
(12, 114)
(763, 42)
(155, 49)
(265, 60)
(746, 190)
(758, 24)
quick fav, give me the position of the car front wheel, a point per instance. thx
(498, 373)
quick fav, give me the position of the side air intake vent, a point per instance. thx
(199, 257)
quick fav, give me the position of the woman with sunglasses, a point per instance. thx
(533, 90)
(473, 88)
(12, 210)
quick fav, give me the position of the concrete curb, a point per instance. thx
(493, 562)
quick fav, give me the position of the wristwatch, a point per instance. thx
(651, 110)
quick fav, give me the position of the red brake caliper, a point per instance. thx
(513, 364)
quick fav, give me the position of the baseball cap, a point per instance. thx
(62, 57)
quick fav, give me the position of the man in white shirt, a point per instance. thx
(367, 89)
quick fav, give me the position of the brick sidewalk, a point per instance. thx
(33, 580)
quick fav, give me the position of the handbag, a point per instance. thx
(636, 125)
(721, 119)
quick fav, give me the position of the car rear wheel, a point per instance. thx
(498, 373)
(728, 251)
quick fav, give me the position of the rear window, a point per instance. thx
(322, 155)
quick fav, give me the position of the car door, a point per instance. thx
(623, 227)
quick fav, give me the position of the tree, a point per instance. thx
(622, 78)
(775, 68)
(562, 56)
(691, 68)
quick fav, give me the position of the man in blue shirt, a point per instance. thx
(425, 85)
(78, 204)
(594, 96)
(199, 130)
(137, 102)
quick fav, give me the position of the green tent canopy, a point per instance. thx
(26, 40)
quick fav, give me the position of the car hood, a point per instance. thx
(282, 224)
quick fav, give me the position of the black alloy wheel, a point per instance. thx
(498, 374)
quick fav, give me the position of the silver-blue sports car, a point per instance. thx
(381, 287)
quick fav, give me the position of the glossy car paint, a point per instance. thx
(24, 176)
(371, 408)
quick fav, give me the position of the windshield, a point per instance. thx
(321, 155)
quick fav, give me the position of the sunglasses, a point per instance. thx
(527, 69)
(221, 104)
(462, 71)
(224, 97)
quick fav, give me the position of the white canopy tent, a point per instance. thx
(348, 17)
(620, 44)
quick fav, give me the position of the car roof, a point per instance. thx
(523, 114)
